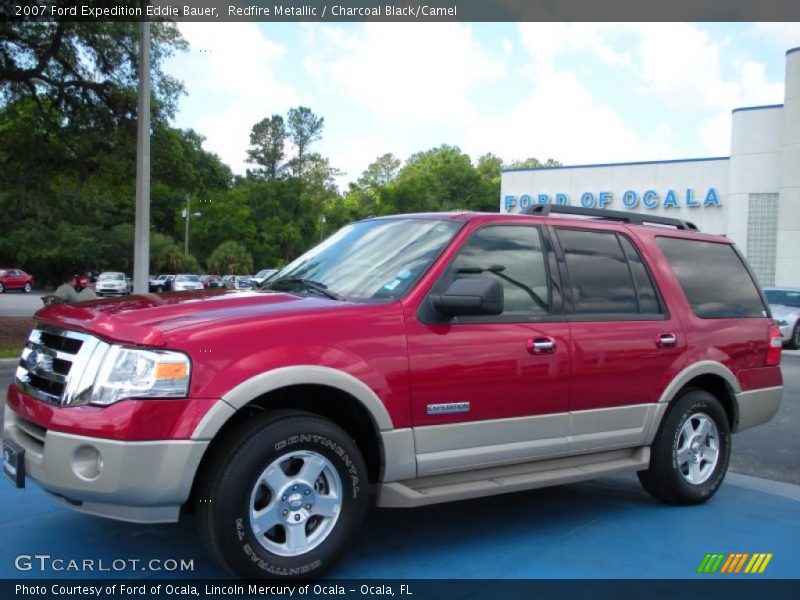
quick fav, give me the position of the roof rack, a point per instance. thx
(631, 218)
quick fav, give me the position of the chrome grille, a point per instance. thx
(58, 366)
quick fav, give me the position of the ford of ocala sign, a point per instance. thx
(649, 199)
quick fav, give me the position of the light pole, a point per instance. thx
(188, 214)
(322, 221)
(141, 247)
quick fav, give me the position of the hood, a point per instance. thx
(147, 319)
(779, 311)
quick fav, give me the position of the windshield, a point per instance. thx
(783, 297)
(111, 276)
(187, 278)
(264, 273)
(368, 260)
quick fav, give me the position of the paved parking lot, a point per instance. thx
(18, 304)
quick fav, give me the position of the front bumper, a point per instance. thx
(141, 482)
(787, 331)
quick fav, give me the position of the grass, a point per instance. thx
(13, 333)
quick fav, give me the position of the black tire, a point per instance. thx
(664, 479)
(794, 342)
(2, 289)
(224, 498)
(27, 288)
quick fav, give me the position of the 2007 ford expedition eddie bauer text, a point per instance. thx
(405, 361)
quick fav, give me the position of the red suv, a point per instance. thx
(425, 358)
(15, 279)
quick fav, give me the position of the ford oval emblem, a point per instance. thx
(32, 360)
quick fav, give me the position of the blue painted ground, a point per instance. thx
(603, 529)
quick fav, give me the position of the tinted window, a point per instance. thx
(783, 297)
(598, 272)
(645, 292)
(713, 277)
(512, 255)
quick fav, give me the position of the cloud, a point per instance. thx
(561, 119)
(233, 84)
(677, 68)
(782, 35)
(403, 72)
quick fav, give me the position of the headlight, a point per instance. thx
(781, 322)
(138, 373)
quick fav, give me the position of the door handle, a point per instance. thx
(666, 340)
(541, 345)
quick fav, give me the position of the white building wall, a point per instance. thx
(754, 164)
(787, 267)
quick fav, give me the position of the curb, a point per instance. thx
(8, 362)
(767, 486)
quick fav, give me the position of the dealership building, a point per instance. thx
(751, 196)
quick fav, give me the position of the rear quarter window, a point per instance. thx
(714, 279)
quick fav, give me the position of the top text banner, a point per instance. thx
(402, 10)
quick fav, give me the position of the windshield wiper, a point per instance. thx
(312, 286)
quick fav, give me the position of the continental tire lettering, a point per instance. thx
(325, 442)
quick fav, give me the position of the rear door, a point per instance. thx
(625, 343)
(493, 389)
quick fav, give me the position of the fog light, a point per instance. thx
(87, 463)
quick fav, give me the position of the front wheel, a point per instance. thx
(2, 289)
(283, 498)
(691, 451)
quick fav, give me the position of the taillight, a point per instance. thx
(775, 344)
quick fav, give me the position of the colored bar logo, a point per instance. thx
(735, 562)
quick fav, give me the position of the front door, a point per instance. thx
(492, 390)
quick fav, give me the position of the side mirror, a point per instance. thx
(472, 296)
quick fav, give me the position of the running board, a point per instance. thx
(510, 478)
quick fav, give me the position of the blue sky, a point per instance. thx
(579, 93)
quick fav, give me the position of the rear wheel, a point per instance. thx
(794, 342)
(691, 451)
(283, 498)
(27, 287)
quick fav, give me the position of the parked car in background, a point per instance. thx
(211, 281)
(262, 276)
(111, 283)
(237, 282)
(785, 306)
(242, 282)
(162, 283)
(186, 282)
(15, 279)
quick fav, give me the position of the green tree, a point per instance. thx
(534, 163)
(490, 167)
(382, 171)
(304, 128)
(82, 74)
(267, 139)
(442, 178)
(165, 254)
(230, 258)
